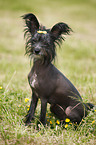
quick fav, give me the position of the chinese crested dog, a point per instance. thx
(45, 80)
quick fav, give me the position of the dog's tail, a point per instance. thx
(89, 106)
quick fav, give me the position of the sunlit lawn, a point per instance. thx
(76, 59)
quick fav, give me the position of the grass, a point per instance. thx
(76, 59)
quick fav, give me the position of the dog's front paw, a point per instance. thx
(27, 119)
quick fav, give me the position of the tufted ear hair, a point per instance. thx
(32, 23)
(59, 29)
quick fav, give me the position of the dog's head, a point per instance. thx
(41, 42)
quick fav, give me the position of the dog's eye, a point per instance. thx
(33, 41)
(46, 44)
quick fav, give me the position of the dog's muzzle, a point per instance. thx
(37, 51)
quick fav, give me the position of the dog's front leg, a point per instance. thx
(43, 111)
(32, 109)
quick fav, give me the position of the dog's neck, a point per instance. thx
(39, 63)
(41, 68)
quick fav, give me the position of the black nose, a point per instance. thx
(37, 51)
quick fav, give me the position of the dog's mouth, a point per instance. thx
(37, 52)
(37, 56)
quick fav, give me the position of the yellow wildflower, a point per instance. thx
(95, 110)
(0, 99)
(93, 121)
(50, 122)
(57, 122)
(19, 105)
(66, 125)
(75, 123)
(67, 120)
(27, 109)
(0, 88)
(26, 99)
(28, 105)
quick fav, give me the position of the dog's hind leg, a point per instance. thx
(58, 111)
(70, 112)
(73, 114)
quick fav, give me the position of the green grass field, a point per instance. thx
(76, 59)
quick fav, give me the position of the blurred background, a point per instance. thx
(77, 56)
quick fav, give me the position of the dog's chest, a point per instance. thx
(34, 81)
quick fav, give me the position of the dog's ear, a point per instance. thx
(31, 22)
(59, 29)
